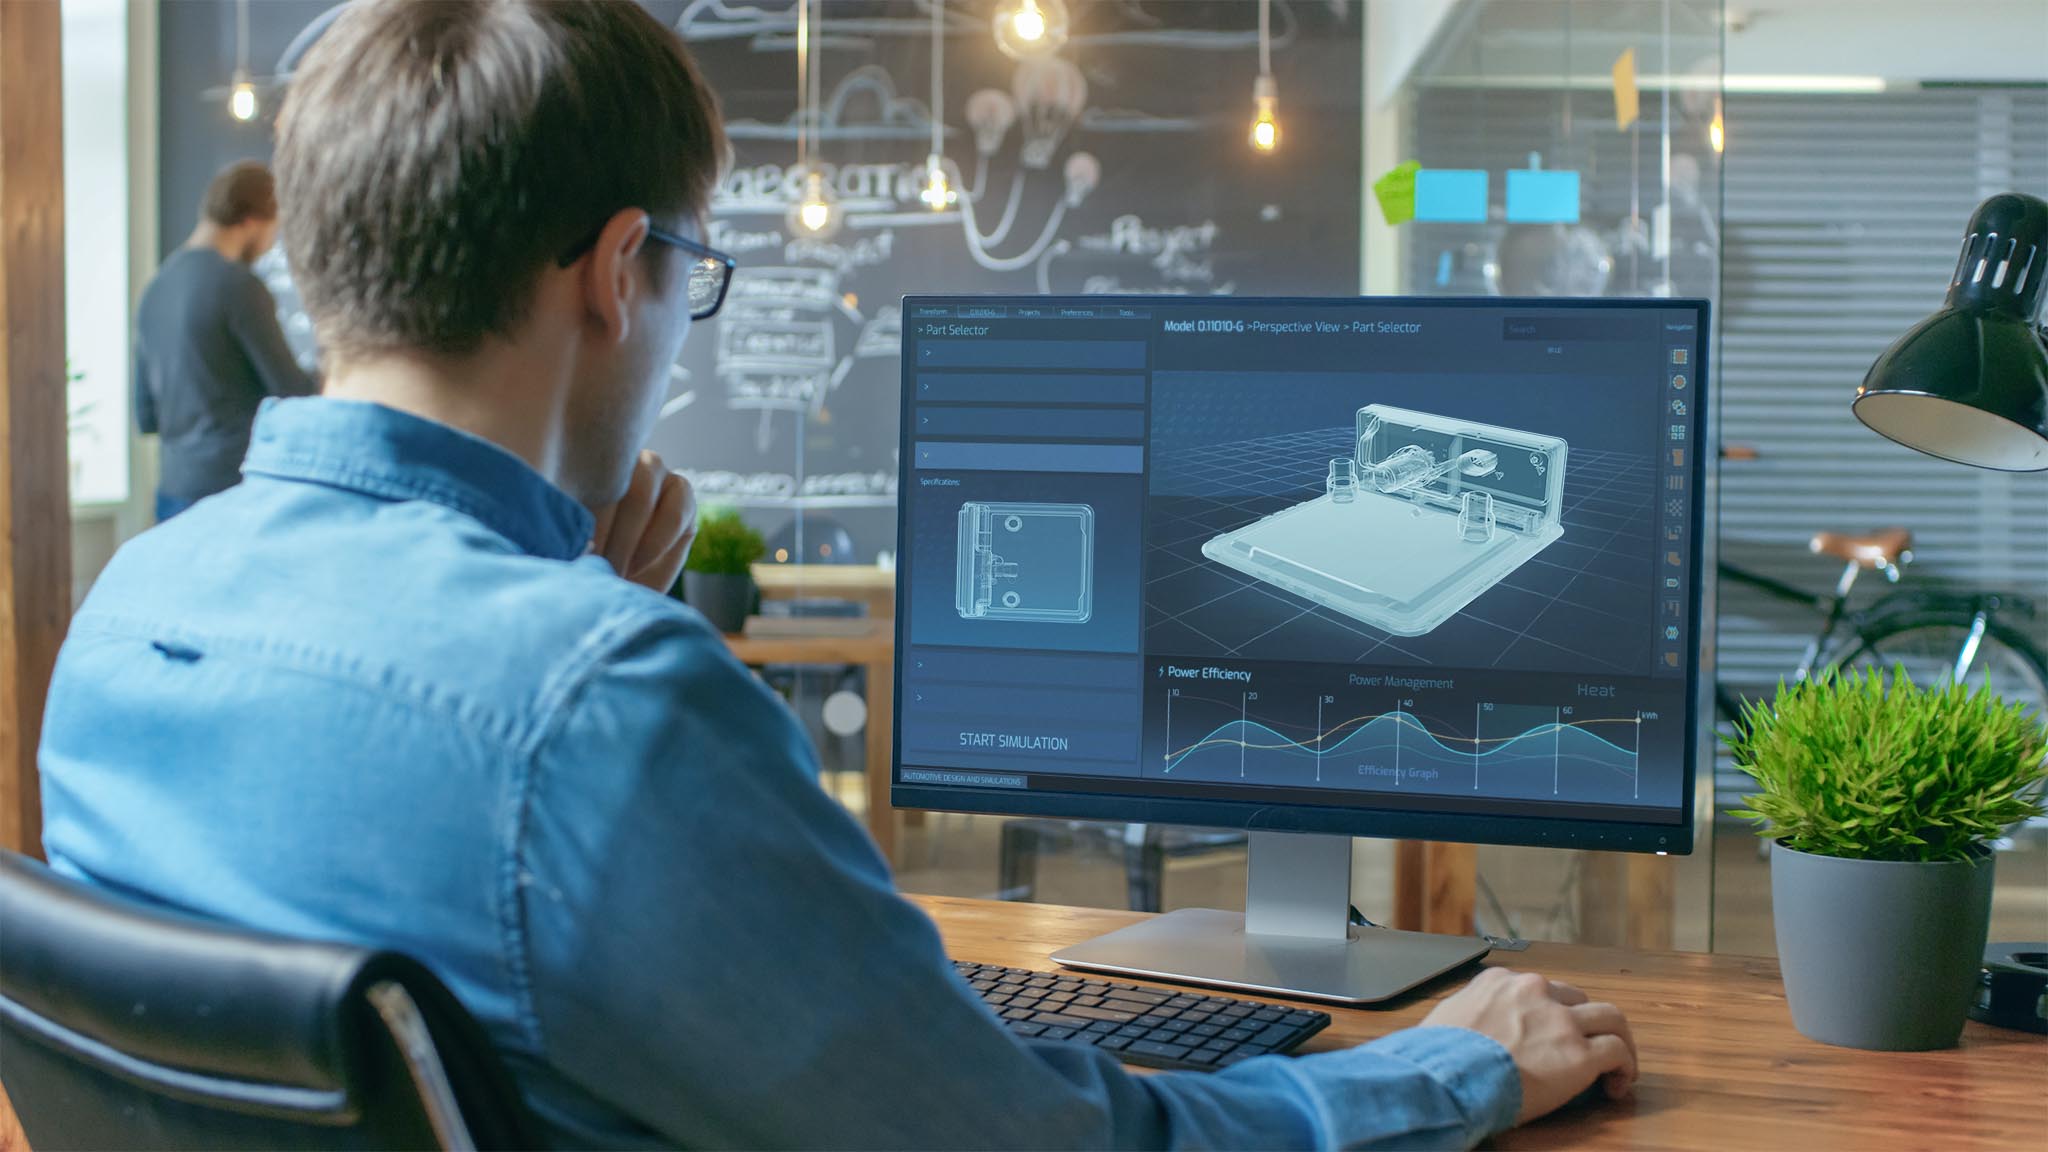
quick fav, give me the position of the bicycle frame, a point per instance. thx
(1979, 608)
(1834, 607)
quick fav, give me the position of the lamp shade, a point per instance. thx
(1970, 383)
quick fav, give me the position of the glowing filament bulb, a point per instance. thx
(1716, 133)
(1029, 23)
(1026, 28)
(1265, 131)
(938, 194)
(242, 101)
(1266, 122)
(817, 214)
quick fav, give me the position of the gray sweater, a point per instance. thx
(207, 351)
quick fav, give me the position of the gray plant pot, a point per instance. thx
(725, 598)
(1876, 953)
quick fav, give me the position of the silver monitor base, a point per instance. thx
(1315, 954)
(1207, 946)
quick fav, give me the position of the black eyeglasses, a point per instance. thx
(710, 274)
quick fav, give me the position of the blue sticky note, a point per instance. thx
(1542, 196)
(1456, 195)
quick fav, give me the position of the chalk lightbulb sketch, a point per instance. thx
(1047, 96)
(1050, 94)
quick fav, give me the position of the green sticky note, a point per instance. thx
(1396, 193)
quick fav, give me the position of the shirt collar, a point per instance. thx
(379, 451)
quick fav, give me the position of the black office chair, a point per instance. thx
(125, 1026)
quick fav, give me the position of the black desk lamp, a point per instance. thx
(1970, 383)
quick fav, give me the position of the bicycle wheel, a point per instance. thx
(1926, 645)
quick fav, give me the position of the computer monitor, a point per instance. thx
(1416, 568)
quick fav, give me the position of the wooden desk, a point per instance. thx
(1721, 1065)
(876, 651)
(860, 583)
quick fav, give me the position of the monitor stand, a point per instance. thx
(1293, 939)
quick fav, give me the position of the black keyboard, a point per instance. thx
(1141, 1025)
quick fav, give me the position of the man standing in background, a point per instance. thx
(208, 348)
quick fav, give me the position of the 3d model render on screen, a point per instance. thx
(1026, 562)
(1430, 512)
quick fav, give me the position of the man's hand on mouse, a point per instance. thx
(646, 536)
(1561, 1041)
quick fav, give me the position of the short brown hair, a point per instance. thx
(432, 158)
(241, 191)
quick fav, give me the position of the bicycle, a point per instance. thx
(1938, 635)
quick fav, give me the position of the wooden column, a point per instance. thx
(1625, 900)
(1434, 886)
(1652, 888)
(35, 518)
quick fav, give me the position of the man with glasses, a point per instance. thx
(392, 690)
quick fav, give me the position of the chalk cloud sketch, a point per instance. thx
(890, 116)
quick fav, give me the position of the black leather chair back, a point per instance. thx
(127, 1026)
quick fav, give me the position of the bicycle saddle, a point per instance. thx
(1879, 549)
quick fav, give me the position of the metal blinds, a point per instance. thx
(1842, 217)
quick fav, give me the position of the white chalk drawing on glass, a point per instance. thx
(291, 312)
(770, 27)
(1026, 562)
(1046, 98)
(1427, 514)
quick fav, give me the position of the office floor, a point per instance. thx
(956, 855)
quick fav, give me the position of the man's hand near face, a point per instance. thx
(647, 535)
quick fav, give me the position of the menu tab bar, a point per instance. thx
(1031, 312)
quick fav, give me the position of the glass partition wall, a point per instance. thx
(887, 147)
(1573, 148)
(1093, 165)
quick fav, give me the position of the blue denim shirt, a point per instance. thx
(378, 693)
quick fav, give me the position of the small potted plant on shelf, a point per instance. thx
(1882, 800)
(718, 578)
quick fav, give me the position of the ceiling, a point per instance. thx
(1816, 44)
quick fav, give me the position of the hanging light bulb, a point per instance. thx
(1717, 133)
(241, 93)
(1031, 27)
(938, 193)
(242, 98)
(1265, 122)
(817, 215)
(1265, 134)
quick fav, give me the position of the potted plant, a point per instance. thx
(718, 578)
(1881, 799)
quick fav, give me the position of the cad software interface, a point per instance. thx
(1394, 555)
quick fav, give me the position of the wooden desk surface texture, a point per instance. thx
(877, 645)
(825, 581)
(1722, 1067)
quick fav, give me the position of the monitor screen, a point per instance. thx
(1425, 568)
